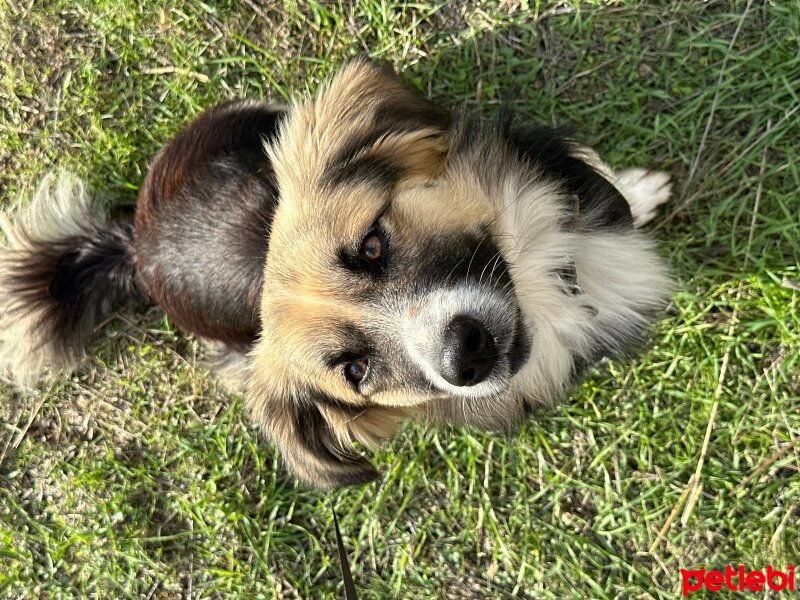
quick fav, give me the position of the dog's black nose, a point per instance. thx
(468, 352)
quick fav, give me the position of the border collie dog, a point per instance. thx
(355, 259)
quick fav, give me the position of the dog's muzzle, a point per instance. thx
(468, 340)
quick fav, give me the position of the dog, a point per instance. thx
(355, 259)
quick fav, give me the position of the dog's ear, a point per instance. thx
(366, 122)
(579, 169)
(315, 435)
(370, 93)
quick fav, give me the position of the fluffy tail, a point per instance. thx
(65, 264)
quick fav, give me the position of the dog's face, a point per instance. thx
(385, 286)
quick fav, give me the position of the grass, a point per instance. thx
(138, 477)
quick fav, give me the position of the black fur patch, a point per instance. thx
(593, 199)
(520, 345)
(377, 171)
(352, 345)
(600, 203)
(351, 410)
(316, 436)
(77, 282)
(459, 257)
(202, 235)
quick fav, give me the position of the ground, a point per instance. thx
(138, 477)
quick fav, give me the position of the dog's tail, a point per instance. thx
(65, 264)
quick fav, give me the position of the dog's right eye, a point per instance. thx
(371, 254)
(356, 370)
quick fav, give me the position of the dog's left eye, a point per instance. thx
(372, 247)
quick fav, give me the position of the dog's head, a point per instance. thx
(385, 288)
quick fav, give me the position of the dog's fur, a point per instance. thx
(356, 259)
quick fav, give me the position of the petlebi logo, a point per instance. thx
(737, 579)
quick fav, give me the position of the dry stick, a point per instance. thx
(170, 70)
(698, 486)
(675, 509)
(766, 465)
(709, 122)
(790, 284)
(694, 487)
(776, 537)
(13, 445)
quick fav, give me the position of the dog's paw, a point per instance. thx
(645, 191)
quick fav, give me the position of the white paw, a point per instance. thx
(645, 191)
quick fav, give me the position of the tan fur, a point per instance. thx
(230, 367)
(346, 108)
(306, 292)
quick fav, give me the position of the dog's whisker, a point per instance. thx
(486, 266)
(474, 253)
(452, 271)
(494, 266)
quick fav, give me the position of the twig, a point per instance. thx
(24, 431)
(776, 537)
(558, 10)
(715, 101)
(672, 515)
(257, 9)
(722, 70)
(694, 487)
(790, 284)
(571, 81)
(766, 465)
(169, 70)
